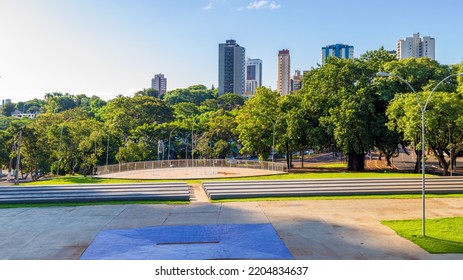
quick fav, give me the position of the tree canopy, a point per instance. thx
(343, 106)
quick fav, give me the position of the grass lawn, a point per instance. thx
(321, 175)
(443, 235)
(332, 165)
(340, 197)
(78, 179)
(307, 175)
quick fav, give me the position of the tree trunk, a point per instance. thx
(453, 156)
(439, 154)
(356, 162)
(388, 160)
(288, 162)
(302, 158)
(418, 161)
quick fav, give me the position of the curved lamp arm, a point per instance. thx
(438, 84)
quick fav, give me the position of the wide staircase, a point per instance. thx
(95, 193)
(329, 187)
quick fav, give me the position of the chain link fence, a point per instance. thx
(188, 163)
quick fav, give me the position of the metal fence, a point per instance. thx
(183, 163)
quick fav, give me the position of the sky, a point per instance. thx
(115, 47)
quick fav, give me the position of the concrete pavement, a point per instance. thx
(317, 229)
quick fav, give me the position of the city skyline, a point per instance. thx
(107, 48)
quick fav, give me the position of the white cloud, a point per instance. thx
(208, 7)
(274, 5)
(257, 5)
(213, 3)
(263, 4)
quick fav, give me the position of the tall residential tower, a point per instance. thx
(159, 83)
(416, 47)
(231, 68)
(284, 68)
(253, 76)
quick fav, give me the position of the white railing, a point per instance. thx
(183, 163)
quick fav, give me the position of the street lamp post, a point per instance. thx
(107, 150)
(193, 122)
(170, 135)
(423, 109)
(59, 148)
(273, 142)
(18, 159)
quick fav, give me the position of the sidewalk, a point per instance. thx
(317, 229)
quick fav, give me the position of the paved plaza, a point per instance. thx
(310, 229)
(186, 173)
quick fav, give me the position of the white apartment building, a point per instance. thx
(416, 47)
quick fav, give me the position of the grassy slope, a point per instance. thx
(340, 197)
(443, 235)
(319, 175)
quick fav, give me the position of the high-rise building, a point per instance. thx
(231, 68)
(296, 81)
(337, 50)
(284, 68)
(416, 47)
(253, 76)
(159, 83)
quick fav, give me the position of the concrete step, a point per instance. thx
(80, 193)
(266, 188)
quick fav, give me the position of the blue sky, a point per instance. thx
(112, 47)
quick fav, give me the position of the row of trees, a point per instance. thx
(70, 136)
(342, 106)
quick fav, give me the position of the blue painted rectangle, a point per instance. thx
(201, 242)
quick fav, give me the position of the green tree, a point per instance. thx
(185, 110)
(443, 122)
(4, 148)
(230, 101)
(339, 95)
(194, 94)
(124, 114)
(217, 136)
(57, 102)
(147, 92)
(8, 109)
(35, 149)
(298, 124)
(33, 106)
(423, 75)
(255, 122)
(5, 122)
